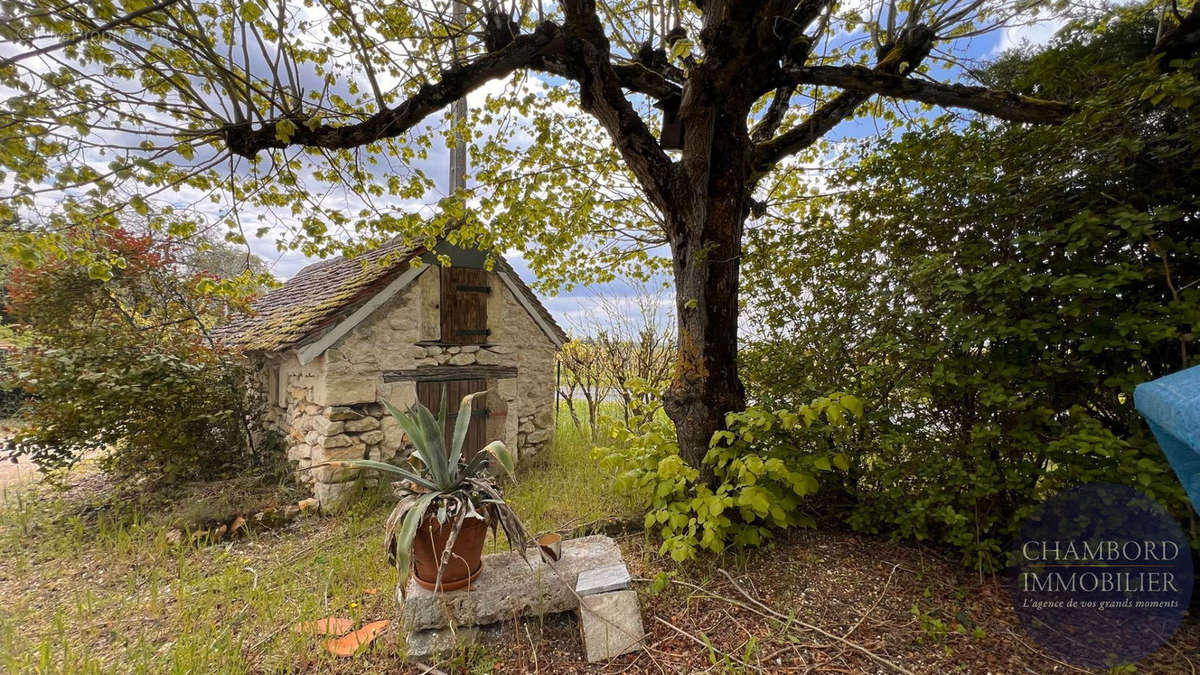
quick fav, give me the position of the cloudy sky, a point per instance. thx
(576, 308)
(579, 308)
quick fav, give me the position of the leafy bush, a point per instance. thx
(995, 292)
(120, 365)
(766, 463)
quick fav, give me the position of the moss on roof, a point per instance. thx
(314, 298)
(322, 293)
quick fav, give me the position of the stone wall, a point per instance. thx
(330, 408)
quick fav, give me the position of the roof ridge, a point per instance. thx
(319, 294)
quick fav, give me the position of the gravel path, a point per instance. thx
(12, 475)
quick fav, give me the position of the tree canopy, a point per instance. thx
(319, 118)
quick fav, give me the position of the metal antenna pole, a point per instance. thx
(458, 117)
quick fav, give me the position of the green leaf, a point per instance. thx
(250, 10)
(460, 426)
(853, 404)
(498, 450)
(284, 129)
(380, 466)
(407, 532)
(757, 499)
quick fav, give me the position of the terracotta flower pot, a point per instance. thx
(465, 558)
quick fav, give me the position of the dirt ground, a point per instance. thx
(14, 474)
(882, 607)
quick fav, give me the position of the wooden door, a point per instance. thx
(429, 394)
(464, 306)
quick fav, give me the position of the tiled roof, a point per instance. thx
(314, 298)
(319, 295)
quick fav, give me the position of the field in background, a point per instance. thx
(564, 490)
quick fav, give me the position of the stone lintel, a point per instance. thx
(450, 373)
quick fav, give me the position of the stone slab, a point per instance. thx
(510, 587)
(611, 624)
(432, 643)
(603, 579)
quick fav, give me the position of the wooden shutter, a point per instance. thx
(464, 306)
(429, 394)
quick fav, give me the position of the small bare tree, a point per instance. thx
(626, 353)
(636, 344)
(583, 377)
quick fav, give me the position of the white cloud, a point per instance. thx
(1035, 33)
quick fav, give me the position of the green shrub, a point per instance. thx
(169, 413)
(995, 293)
(120, 367)
(766, 463)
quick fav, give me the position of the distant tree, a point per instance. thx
(583, 378)
(222, 260)
(634, 344)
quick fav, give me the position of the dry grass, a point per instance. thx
(90, 583)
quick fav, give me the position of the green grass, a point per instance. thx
(564, 489)
(98, 588)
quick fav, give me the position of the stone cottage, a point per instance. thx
(393, 324)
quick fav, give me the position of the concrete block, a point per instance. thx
(510, 587)
(603, 579)
(611, 624)
(436, 642)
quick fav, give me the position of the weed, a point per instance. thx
(92, 584)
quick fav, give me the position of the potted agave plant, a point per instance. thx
(447, 502)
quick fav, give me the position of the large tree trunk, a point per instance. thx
(705, 224)
(705, 230)
(706, 383)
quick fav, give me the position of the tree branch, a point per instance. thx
(819, 123)
(601, 96)
(89, 34)
(522, 51)
(643, 79)
(1182, 41)
(898, 60)
(635, 77)
(771, 120)
(1005, 105)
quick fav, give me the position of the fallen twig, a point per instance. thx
(784, 618)
(254, 647)
(702, 643)
(1044, 655)
(882, 593)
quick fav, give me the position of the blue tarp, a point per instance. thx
(1171, 405)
